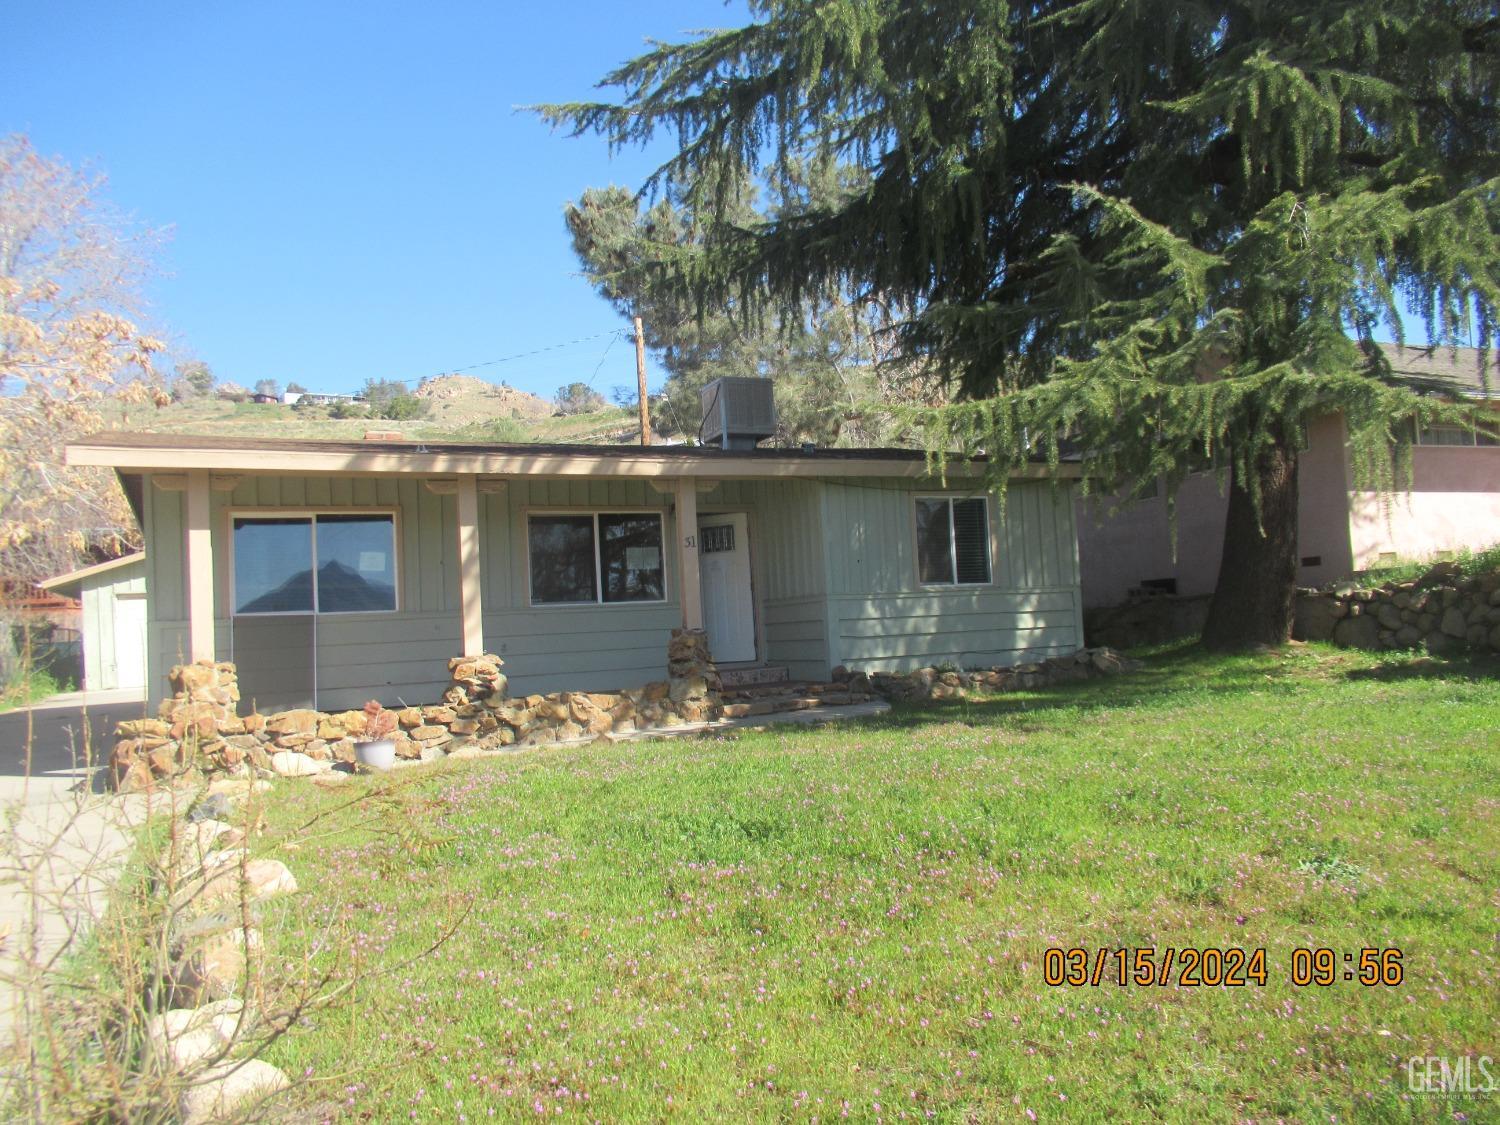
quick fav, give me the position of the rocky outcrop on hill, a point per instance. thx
(522, 404)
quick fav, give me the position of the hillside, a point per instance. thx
(459, 408)
(464, 390)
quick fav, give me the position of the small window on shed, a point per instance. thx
(953, 542)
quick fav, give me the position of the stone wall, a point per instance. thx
(939, 683)
(1442, 611)
(1146, 621)
(199, 732)
(193, 725)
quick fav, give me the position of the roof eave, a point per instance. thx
(435, 461)
(58, 581)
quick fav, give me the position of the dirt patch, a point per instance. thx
(503, 399)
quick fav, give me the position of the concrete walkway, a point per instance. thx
(95, 699)
(807, 716)
(65, 841)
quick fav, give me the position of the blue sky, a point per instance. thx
(350, 188)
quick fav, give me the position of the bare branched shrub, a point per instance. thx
(140, 977)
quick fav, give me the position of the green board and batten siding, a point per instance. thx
(585, 647)
(389, 656)
(111, 638)
(882, 619)
(833, 563)
(403, 656)
(788, 556)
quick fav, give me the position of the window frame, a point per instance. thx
(1489, 427)
(594, 514)
(311, 514)
(989, 541)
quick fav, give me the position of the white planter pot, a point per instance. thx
(379, 754)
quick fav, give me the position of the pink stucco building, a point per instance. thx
(1454, 502)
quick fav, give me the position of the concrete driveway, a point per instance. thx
(64, 732)
(65, 843)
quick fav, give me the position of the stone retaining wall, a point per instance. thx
(939, 683)
(199, 732)
(1146, 621)
(1442, 611)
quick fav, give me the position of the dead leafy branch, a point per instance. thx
(71, 270)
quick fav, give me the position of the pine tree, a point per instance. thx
(1160, 233)
(830, 357)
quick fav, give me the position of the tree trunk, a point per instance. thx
(1256, 592)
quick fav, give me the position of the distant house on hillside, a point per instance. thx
(1453, 503)
(262, 397)
(315, 398)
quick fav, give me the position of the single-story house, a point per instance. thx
(315, 398)
(113, 595)
(332, 572)
(1453, 502)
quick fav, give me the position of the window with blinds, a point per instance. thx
(953, 541)
(1444, 434)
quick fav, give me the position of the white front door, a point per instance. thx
(130, 642)
(728, 607)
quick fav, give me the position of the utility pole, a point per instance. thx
(640, 378)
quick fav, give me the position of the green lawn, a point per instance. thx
(32, 688)
(789, 925)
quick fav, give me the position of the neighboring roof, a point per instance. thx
(18, 594)
(74, 577)
(142, 452)
(1455, 370)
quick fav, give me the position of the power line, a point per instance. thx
(616, 332)
(598, 366)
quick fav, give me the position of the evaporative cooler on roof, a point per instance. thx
(737, 413)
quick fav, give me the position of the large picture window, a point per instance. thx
(319, 563)
(953, 542)
(597, 557)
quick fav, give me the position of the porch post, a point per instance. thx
(687, 553)
(200, 568)
(468, 565)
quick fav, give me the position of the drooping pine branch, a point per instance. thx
(1152, 233)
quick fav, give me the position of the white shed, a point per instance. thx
(114, 620)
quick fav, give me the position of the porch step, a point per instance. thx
(771, 699)
(753, 677)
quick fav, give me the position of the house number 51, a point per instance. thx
(690, 542)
